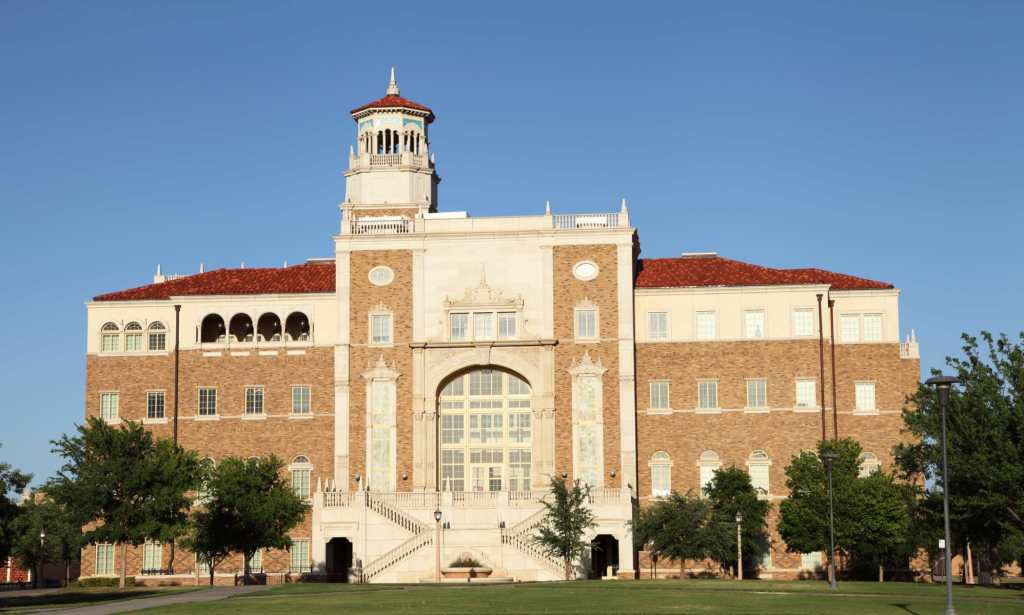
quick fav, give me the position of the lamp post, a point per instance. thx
(739, 546)
(42, 540)
(828, 458)
(437, 546)
(942, 385)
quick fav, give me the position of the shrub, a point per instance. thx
(466, 561)
(102, 582)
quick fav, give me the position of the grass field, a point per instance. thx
(597, 597)
(75, 597)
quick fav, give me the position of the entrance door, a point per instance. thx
(339, 559)
(604, 552)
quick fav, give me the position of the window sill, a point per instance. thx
(254, 417)
(659, 411)
(381, 344)
(159, 421)
(708, 410)
(586, 340)
(865, 412)
(807, 409)
(305, 416)
(756, 410)
(207, 417)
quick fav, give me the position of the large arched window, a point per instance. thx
(661, 474)
(301, 471)
(296, 327)
(268, 327)
(486, 432)
(157, 336)
(212, 330)
(241, 328)
(709, 463)
(110, 338)
(133, 337)
(758, 465)
(869, 463)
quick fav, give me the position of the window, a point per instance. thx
(254, 400)
(104, 559)
(152, 558)
(707, 328)
(869, 464)
(849, 328)
(803, 323)
(300, 400)
(506, 325)
(300, 556)
(453, 465)
(806, 393)
(586, 324)
(256, 561)
(872, 327)
(758, 465)
(707, 394)
(753, 324)
(519, 470)
(483, 325)
(157, 336)
(207, 401)
(709, 463)
(155, 405)
(661, 474)
(110, 338)
(109, 406)
(810, 561)
(865, 393)
(458, 327)
(381, 275)
(202, 565)
(382, 429)
(380, 329)
(659, 395)
(757, 393)
(301, 470)
(133, 337)
(657, 326)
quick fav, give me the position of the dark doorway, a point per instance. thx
(339, 560)
(604, 552)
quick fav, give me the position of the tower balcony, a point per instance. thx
(403, 160)
(459, 222)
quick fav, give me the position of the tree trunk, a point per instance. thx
(67, 572)
(124, 565)
(568, 568)
(245, 568)
(881, 574)
(212, 567)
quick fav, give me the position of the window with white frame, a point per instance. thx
(155, 401)
(661, 474)
(707, 326)
(869, 464)
(299, 556)
(586, 324)
(758, 465)
(157, 336)
(657, 326)
(380, 329)
(810, 561)
(865, 397)
(381, 410)
(301, 400)
(709, 463)
(588, 424)
(506, 325)
(803, 322)
(806, 393)
(110, 338)
(256, 561)
(301, 472)
(707, 394)
(483, 325)
(202, 565)
(109, 403)
(104, 559)
(133, 337)
(753, 324)
(659, 395)
(458, 327)
(254, 400)
(849, 328)
(152, 557)
(757, 393)
(207, 401)
(872, 327)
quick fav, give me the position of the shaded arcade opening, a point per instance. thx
(604, 557)
(339, 560)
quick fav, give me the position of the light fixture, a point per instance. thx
(437, 515)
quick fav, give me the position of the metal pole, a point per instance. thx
(831, 526)
(832, 342)
(821, 365)
(739, 550)
(943, 401)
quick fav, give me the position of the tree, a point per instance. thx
(985, 426)
(729, 492)
(568, 517)
(881, 515)
(63, 540)
(127, 486)
(247, 505)
(678, 527)
(11, 481)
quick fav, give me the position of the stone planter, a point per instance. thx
(466, 573)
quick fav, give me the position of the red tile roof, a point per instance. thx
(315, 277)
(394, 100)
(712, 270)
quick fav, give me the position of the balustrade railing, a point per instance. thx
(382, 225)
(585, 221)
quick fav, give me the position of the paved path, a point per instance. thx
(202, 595)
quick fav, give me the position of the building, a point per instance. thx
(416, 371)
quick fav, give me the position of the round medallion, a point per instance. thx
(381, 275)
(585, 270)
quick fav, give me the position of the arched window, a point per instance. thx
(268, 328)
(110, 338)
(157, 336)
(869, 464)
(486, 432)
(661, 474)
(212, 329)
(296, 327)
(241, 328)
(301, 471)
(133, 337)
(202, 490)
(709, 463)
(758, 465)
(380, 142)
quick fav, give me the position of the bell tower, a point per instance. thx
(391, 171)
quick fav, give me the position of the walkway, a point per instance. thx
(202, 595)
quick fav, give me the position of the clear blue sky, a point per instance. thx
(880, 139)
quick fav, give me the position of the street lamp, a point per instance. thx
(942, 386)
(828, 459)
(437, 546)
(739, 546)
(42, 540)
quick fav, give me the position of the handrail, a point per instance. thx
(397, 554)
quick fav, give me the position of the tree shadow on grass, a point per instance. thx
(906, 607)
(71, 597)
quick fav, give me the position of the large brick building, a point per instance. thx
(441, 362)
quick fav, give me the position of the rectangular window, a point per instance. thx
(109, 406)
(865, 393)
(810, 561)
(506, 325)
(300, 481)
(458, 327)
(483, 325)
(207, 401)
(707, 394)
(707, 326)
(152, 558)
(759, 477)
(158, 341)
(300, 556)
(519, 428)
(519, 470)
(872, 327)
(104, 559)
(300, 400)
(657, 326)
(453, 477)
(849, 328)
(485, 382)
(707, 474)
(155, 405)
(806, 393)
(661, 480)
(256, 561)
(803, 323)
(659, 395)
(753, 324)
(110, 342)
(254, 400)
(485, 428)
(586, 324)
(452, 429)
(133, 342)
(380, 329)
(757, 393)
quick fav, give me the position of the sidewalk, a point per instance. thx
(202, 595)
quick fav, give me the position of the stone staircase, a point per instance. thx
(421, 537)
(521, 537)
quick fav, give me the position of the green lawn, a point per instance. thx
(598, 597)
(74, 597)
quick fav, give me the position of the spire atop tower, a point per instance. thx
(393, 84)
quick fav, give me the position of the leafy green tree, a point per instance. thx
(127, 486)
(247, 505)
(12, 481)
(729, 492)
(561, 533)
(985, 426)
(678, 527)
(881, 514)
(63, 535)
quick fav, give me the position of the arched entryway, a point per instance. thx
(604, 553)
(339, 559)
